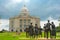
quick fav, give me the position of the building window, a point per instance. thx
(20, 26)
(16, 30)
(20, 30)
(29, 21)
(12, 23)
(24, 21)
(24, 30)
(24, 26)
(12, 30)
(21, 21)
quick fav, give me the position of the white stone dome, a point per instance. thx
(24, 11)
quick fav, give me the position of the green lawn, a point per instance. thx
(13, 36)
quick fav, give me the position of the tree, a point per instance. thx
(58, 29)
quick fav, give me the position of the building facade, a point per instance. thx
(22, 21)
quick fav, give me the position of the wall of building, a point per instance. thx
(16, 23)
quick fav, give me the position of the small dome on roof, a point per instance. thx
(24, 9)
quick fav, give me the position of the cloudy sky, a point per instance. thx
(45, 9)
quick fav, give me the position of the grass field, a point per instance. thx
(14, 36)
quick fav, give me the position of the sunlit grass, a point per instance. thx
(14, 36)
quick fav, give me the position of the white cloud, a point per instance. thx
(51, 20)
(42, 23)
(13, 3)
(16, 1)
(26, 1)
(4, 24)
(19, 1)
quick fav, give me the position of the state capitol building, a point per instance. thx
(23, 20)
